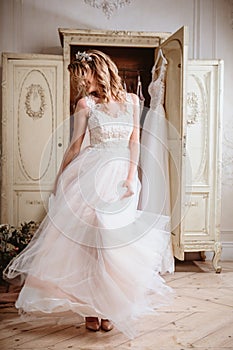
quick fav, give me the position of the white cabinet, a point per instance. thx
(33, 84)
(194, 110)
(201, 231)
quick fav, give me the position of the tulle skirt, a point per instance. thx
(94, 254)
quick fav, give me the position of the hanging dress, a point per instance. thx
(154, 155)
(95, 254)
(154, 150)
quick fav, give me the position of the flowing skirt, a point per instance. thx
(94, 254)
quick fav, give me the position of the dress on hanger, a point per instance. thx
(155, 192)
(95, 254)
(154, 151)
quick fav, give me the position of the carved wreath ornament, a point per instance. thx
(35, 101)
(192, 101)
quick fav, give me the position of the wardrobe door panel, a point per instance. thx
(197, 217)
(175, 49)
(203, 182)
(199, 134)
(32, 142)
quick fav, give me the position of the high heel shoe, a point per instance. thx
(92, 323)
(106, 325)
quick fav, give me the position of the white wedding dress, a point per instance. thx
(154, 149)
(95, 254)
(154, 154)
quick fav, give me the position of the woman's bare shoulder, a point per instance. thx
(82, 103)
(82, 106)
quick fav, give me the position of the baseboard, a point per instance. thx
(227, 251)
(227, 244)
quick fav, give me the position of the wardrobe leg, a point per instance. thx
(203, 256)
(217, 256)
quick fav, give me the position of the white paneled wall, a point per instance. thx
(30, 26)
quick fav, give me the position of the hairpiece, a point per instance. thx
(83, 55)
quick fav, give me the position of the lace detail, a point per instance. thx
(110, 124)
(156, 88)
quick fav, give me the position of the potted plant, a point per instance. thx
(13, 240)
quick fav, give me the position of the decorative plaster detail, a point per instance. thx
(107, 6)
(35, 93)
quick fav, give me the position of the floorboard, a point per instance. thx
(200, 317)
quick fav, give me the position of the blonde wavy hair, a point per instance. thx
(104, 71)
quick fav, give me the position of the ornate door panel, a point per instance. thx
(202, 151)
(32, 141)
(203, 183)
(175, 49)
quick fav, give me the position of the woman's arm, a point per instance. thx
(80, 125)
(134, 145)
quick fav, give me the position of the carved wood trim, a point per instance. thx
(35, 89)
(35, 115)
(111, 38)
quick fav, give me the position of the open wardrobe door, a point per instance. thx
(175, 50)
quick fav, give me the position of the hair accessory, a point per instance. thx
(83, 55)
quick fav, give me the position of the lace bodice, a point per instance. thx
(111, 124)
(156, 88)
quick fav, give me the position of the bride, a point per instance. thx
(95, 255)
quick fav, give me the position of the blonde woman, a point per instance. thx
(95, 256)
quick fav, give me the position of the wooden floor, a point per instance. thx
(201, 317)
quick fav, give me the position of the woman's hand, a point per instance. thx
(129, 192)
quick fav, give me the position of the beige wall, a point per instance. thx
(30, 26)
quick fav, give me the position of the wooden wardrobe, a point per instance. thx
(37, 103)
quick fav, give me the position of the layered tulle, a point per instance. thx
(94, 254)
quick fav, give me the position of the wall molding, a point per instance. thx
(227, 235)
(214, 28)
(198, 13)
(196, 29)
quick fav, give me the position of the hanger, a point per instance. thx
(139, 88)
(155, 68)
(160, 54)
(124, 82)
